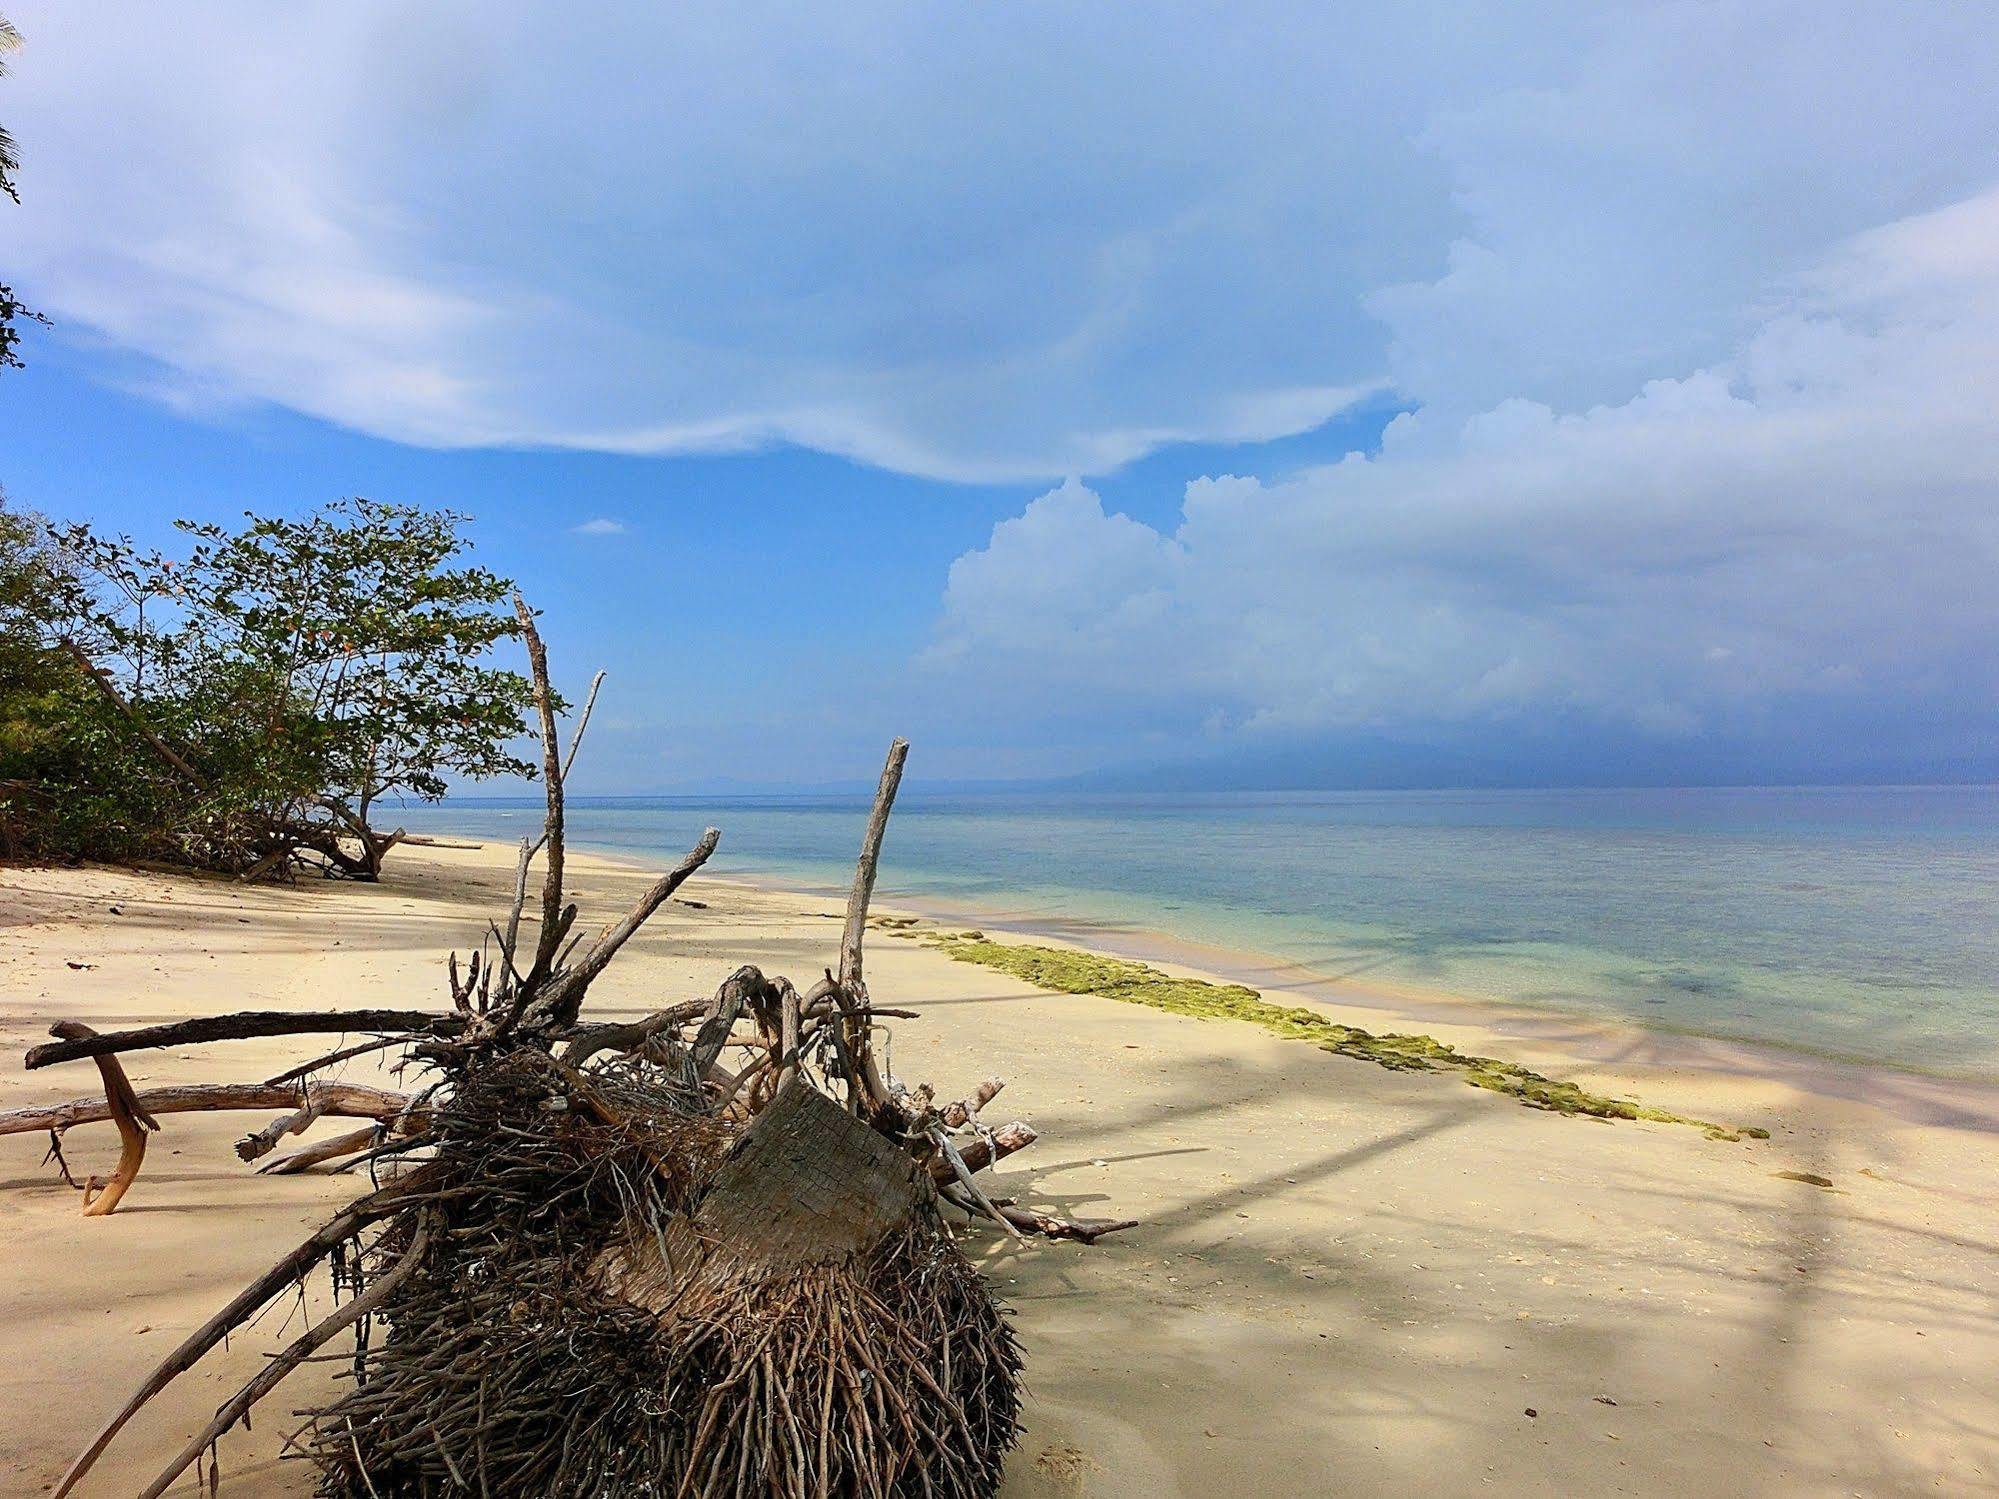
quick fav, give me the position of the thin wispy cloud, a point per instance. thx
(849, 228)
(601, 526)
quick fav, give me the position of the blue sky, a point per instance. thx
(1557, 393)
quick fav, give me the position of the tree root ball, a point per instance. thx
(618, 1314)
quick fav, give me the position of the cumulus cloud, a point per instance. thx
(1806, 527)
(1027, 241)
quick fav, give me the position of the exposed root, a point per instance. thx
(608, 1265)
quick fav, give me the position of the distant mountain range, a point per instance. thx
(1561, 755)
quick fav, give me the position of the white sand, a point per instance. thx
(1348, 1281)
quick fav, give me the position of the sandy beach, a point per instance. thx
(1346, 1281)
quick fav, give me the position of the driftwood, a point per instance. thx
(247, 1303)
(239, 1027)
(608, 1263)
(102, 1197)
(355, 1100)
(322, 1151)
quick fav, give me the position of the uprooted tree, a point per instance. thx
(247, 707)
(603, 1260)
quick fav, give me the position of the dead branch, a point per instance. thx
(984, 1149)
(564, 995)
(321, 1151)
(315, 1101)
(273, 1373)
(582, 723)
(970, 1188)
(318, 1064)
(352, 1100)
(865, 1081)
(242, 1026)
(957, 1115)
(1086, 1230)
(869, 863)
(248, 1301)
(101, 1198)
(586, 1042)
(551, 775)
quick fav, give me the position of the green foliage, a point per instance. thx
(259, 697)
(55, 747)
(1070, 972)
(13, 312)
(10, 160)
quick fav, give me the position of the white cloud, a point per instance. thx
(603, 525)
(1035, 240)
(1812, 521)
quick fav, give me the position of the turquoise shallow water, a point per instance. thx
(1850, 922)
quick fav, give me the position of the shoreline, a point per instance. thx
(1344, 1278)
(1626, 1054)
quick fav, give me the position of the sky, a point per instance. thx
(1257, 395)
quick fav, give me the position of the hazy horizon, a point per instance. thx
(1515, 395)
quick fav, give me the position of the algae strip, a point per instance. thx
(1070, 972)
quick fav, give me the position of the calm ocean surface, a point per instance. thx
(1851, 922)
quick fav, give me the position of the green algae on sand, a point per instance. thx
(1068, 971)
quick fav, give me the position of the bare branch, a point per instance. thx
(958, 1114)
(133, 1123)
(239, 1027)
(564, 996)
(551, 775)
(245, 1305)
(868, 863)
(351, 1100)
(582, 723)
(273, 1373)
(320, 1151)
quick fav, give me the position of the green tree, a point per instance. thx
(55, 744)
(260, 698)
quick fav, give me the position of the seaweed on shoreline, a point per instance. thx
(1069, 971)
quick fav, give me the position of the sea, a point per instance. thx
(1851, 923)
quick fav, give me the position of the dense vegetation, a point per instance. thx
(249, 706)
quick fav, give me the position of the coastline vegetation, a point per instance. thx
(247, 706)
(1068, 971)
